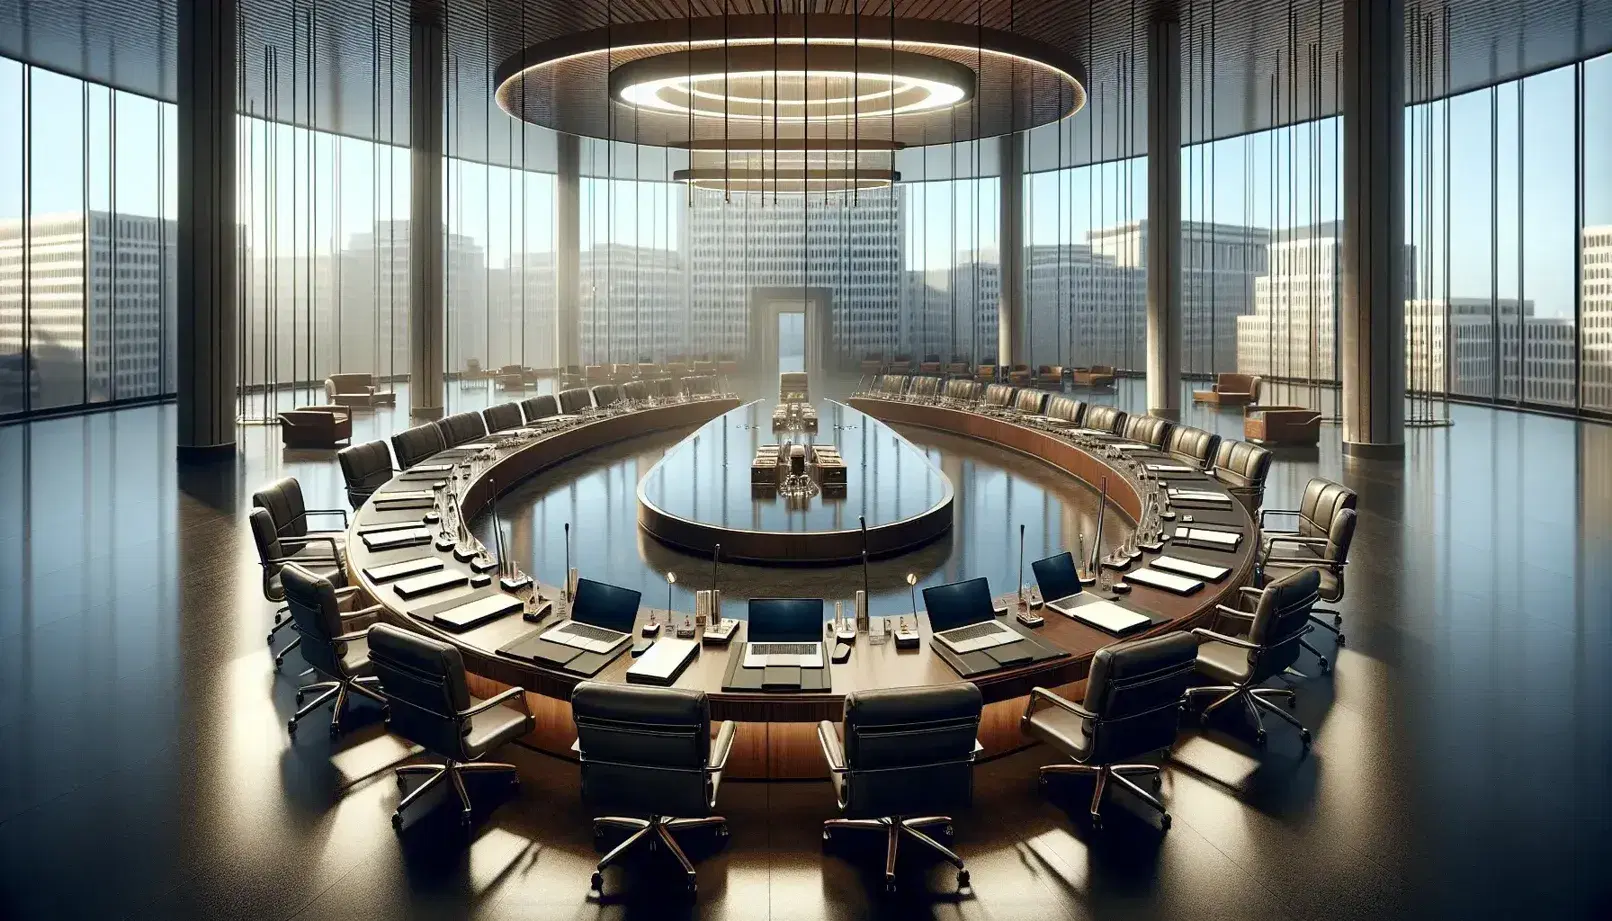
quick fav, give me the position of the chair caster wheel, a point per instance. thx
(464, 819)
(278, 661)
(1158, 781)
(299, 698)
(721, 831)
(962, 879)
(397, 821)
(1337, 620)
(1293, 702)
(1304, 737)
(291, 728)
(597, 883)
(334, 730)
(1259, 738)
(1341, 639)
(270, 639)
(693, 887)
(1096, 822)
(1164, 822)
(889, 885)
(1325, 666)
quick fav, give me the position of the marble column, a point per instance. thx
(567, 251)
(1164, 216)
(1372, 333)
(427, 326)
(1010, 345)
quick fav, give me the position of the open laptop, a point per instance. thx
(1060, 586)
(962, 617)
(785, 633)
(601, 618)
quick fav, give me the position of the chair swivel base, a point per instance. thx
(326, 691)
(651, 832)
(1254, 700)
(1120, 774)
(895, 828)
(454, 771)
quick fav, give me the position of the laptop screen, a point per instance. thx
(786, 620)
(958, 604)
(1056, 576)
(607, 606)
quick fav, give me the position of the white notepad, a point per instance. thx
(1104, 615)
(1169, 468)
(1206, 536)
(1181, 585)
(1190, 568)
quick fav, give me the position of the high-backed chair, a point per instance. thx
(998, 395)
(1104, 419)
(283, 501)
(319, 554)
(535, 408)
(365, 467)
(1243, 467)
(1149, 430)
(727, 368)
(704, 367)
(605, 395)
(1193, 445)
(665, 387)
(462, 428)
(907, 754)
(1238, 665)
(1132, 707)
(502, 417)
(700, 385)
(428, 703)
(646, 756)
(636, 391)
(1230, 389)
(315, 426)
(891, 384)
(926, 385)
(1030, 401)
(414, 445)
(1326, 520)
(350, 389)
(1065, 408)
(793, 387)
(596, 374)
(334, 650)
(964, 390)
(575, 400)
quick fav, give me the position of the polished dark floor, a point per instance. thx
(1461, 765)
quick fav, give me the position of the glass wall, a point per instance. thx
(87, 237)
(950, 279)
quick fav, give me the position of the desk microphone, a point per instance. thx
(510, 577)
(1021, 565)
(718, 629)
(570, 574)
(1097, 545)
(862, 596)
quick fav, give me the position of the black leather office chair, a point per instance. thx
(1030, 401)
(328, 645)
(665, 387)
(365, 467)
(1327, 508)
(414, 445)
(646, 756)
(1132, 707)
(1242, 468)
(1150, 430)
(283, 501)
(319, 554)
(1193, 446)
(462, 428)
(1065, 408)
(999, 395)
(1104, 419)
(636, 391)
(605, 395)
(502, 417)
(575, 400)
(1276, 626)
(429, 703)
(536, 408)
(908, 754)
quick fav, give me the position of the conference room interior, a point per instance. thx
(784, 483)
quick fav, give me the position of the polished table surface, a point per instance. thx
(870, 666)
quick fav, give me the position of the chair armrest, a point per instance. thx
(1039, 693)
(308, 513)
(350, 637)
(495, 700)
(722, 747)
(1282, 538)
(1229, 640)
(363, 612)
(1242, 615)
(335, 552)
(1275, 511)
(1250, 590)
(830, 742)
(1316, 561)
(282, 560)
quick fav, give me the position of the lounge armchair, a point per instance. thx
(1282, 425)
(350, 390)
(1094, 377)
(316, 426)
(1020, 375)
(1230, 390)
(1050, 374)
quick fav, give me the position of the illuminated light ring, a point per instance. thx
(565, 64)
(787, 144)
(642, 82)
(830, 101)
(788, 182)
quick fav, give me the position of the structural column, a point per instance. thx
(1372, 333)
(1163, 237)
(567, 251)
(426, 310)
(1010, 346)
(207, 311)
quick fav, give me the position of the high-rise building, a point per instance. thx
(1596, 317)
(94, 335)
(633, 303)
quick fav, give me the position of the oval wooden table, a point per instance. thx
(777, 737)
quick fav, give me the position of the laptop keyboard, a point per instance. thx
(783, 649)
(973, 632)
(590, 632)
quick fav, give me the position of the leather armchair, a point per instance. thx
(1285, 425)
(414, 445)
(985, 373)
(1230, 390)
(1277, 624)
(665, 387)
(428, 702)
(930, 365)
(605, 395)
(330, 643)
(964, 390)
(1104, 419)
(1132, 707)
(704, 367)
(511, 377)
(350, 389)
(575, 400)
(647, 755)
(1050, 374)
(635, 391)
(1066, 409)
(285, 505)
(872, 363)
(1149, 430)
(315, 426)
(793, 387)
(999, 395)
(907, 754)
(1029, 401)
(318, 553)
(1193, 446)
(1096, 376)
(365, 467)
(1242, 468)
(1325, 528)
(1020, 375)
(596, 374)
(462, 428)
(535, 408)
(901, 364)
(958, 366)
(699, 385)
(502, 417)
